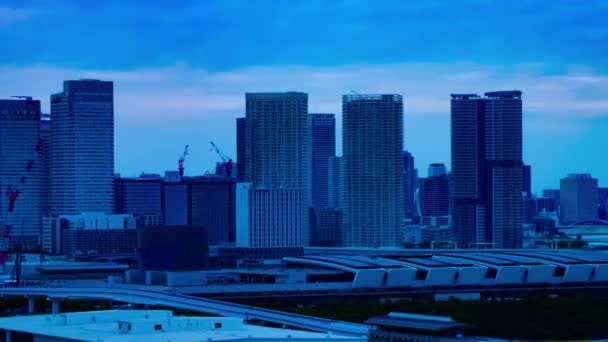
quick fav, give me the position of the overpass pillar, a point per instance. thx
(56, 305)
(31, 304)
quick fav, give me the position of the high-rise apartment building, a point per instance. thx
(578, 198)
(486, 177)
(242, 144)
(373, 167)
(410, 181)
(82, 148)
(20, 173)
(323, 147)
(277, 133)
(335, 182)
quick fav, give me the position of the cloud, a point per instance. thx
(10, 15)
(183, 92)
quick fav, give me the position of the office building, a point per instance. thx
(437, 169)
(327, 227)
(242, 143)
(554, 195)
(409, 181)
(139, 196)
(82, 148)
(89, 233)
(486, 176)
(278, 146)
(323, 147)
(335, 182)
(172, 248)
(578, 198)
(373, 167)
(202, 201)
(21, 172)
(268, 217)
(45, 154)
(545, 205)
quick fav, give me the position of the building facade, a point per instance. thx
(21, 172)
(138, 196)
(437, 169)
(435, 197)
(335, 182)
(409, 181)
(487, 169)
(578, 198)
(278, 146)
(82, 148)
(268, 217)
(241, 150)
(323, 147)
(372, 162)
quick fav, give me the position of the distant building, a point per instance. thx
(335, 182)
(602, 194)
(409, 180)
(139, 196)
(578, 198)
(486, 176)
(242, 144)
(268, 217)
(553, 194)
(373, 167)
(21, 173)
(435, 196)
(526, 174)
(326, 227)
(397, 326)
(82, 148)
(203, 201)
(278, 146)
(545, 205)
(89, 233)
(45, 153)
(323, 147)
(437, 169)
(172, 248)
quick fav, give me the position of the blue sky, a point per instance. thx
(181, 68)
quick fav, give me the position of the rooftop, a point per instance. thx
(151, 326)
(416, 322)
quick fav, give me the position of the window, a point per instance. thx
(158, 327)
(217, 325)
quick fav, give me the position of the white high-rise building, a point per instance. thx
(82, 148)
(268, 217)
(373, 188)
(578, 198)
(278, 148)
(20, 173)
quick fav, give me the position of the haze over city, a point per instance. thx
(181, 69)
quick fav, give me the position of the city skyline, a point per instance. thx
(205, 79)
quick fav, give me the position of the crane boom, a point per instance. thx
(180, 162)
(219, 152)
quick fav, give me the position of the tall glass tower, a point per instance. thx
(373, 189)
(82, 148)
(487, 164)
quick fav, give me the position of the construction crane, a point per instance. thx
(180, 162)
(226, 161)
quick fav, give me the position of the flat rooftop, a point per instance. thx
(152, 326)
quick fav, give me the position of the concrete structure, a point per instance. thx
(86, 233)
(487, 169)
(578, 198)
(372, 161)
(409, 179)
(203, 201)
(268, 217)
(148, 325)
(437, 169)
(21, 172)
(82, 148)
(323, 147)
(335, 182)
(279, 147)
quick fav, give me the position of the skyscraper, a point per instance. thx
(410, 179)
(578, 198)
(372, 161)
(82, 148)
(278, 147)
(335, 182)
(487, 169)
(527, 181)
(241, 150)
(20, 172)
(435, 198)
(323, 147)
